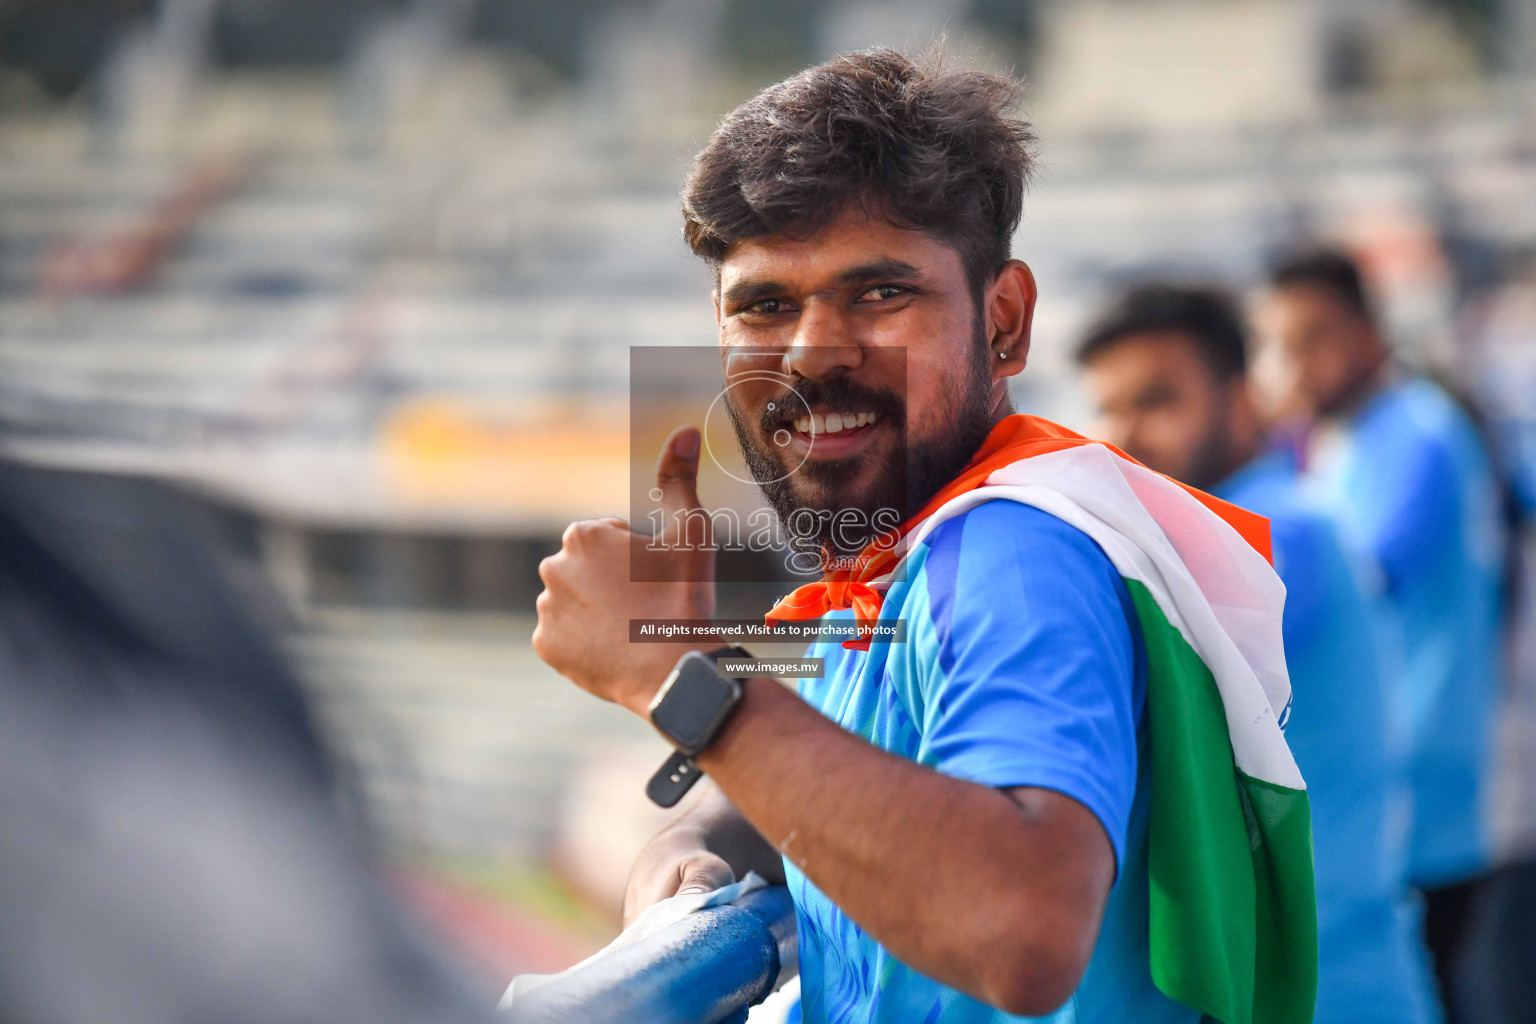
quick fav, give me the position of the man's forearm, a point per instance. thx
(962, 882)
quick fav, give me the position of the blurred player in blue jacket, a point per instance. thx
(1167, 368)
(1413, 485)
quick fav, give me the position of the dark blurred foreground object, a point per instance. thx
(174, 845)
(708, 968)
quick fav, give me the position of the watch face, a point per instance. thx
(694, 702)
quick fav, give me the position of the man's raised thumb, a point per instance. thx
(677, 478)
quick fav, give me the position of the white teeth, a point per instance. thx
(833, 423)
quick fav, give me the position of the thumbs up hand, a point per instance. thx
(605, 574)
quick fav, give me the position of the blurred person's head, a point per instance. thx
(1167, 369)
(858, 217)
(1320, 334)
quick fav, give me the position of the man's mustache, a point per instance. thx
(782, 409)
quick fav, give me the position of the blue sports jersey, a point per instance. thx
(1371, 963)
(1414, 490)
(1023, 667)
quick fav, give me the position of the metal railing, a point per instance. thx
(708, 968)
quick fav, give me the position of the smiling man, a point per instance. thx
(1066, 795)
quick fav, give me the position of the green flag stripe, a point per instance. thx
(1233, 915)
(1285, 985)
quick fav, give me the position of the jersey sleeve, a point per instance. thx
(1040, 677)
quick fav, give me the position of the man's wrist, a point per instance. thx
(641, 691)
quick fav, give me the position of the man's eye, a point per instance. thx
(767, 307)
(881, 292)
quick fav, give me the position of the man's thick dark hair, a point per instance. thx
(1208, 317)
(934, 150)
(1326, 268)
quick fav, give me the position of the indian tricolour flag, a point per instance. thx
(1233, 910)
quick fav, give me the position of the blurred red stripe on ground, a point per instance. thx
(497, 936)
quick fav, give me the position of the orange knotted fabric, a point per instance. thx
(1014, 438)
(814, 600)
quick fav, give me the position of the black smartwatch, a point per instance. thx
(689, 710)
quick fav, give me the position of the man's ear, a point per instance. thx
(1009, 307)
(714, 296)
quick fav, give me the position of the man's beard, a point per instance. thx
(1211, 462)
(913, 471)
(1215, 456)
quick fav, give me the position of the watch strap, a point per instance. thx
(674, 778)
(727, 651)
